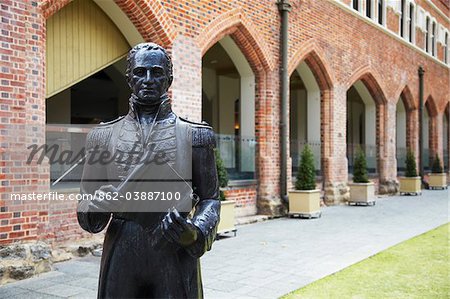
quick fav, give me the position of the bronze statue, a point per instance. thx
(150, 253)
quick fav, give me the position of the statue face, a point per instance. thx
(148, 77)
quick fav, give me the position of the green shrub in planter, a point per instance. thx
(306, 176)
(411, 183)
(222, 173)
(437, 166)
(411, 168)
(362, 191)
(437, 178)
(360, 174)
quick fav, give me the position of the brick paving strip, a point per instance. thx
(272, 258)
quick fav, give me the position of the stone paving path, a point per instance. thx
(272, 258)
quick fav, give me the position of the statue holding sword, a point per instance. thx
(158, 192)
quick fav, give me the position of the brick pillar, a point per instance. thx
(267, 116)
(388, 183)
(22, 118)
(439, 137)
(412, 133)
(290, 184)
(448, 140)
(412, 129)
(433, 138)
(187, 87)
(334, 158)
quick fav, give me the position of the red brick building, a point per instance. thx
(354, 81)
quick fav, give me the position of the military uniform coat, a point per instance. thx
(130, 266)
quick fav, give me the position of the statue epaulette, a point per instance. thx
(107, 123)
(100, 135)
(202, 134)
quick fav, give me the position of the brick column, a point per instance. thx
(187, 71)
(335, 146)
(22, 118)
(433, 138)
(290, 184)
(439, 137)
(267, 116)
(448, 139)
(412, 133)
(388, 183)
(412, 130)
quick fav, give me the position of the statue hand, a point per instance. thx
(105, 198)
(108, 189)
(177, 229)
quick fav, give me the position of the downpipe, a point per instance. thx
(284, 8)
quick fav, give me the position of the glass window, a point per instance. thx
(433, 39)
(402, 19)
(446, 48)
(369, 8)
(411, 23)
(427, 35)
(380, 12)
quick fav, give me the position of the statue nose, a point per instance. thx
(148, 77)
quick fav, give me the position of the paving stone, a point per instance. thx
(265, 293)
(225, 286)
(86, 282)
(62, 290)
(209, 293)
(34, 295)
(64, 277)
(86, 295)
(36, 284)
(11, 290)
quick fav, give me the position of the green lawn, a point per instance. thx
(417, 268)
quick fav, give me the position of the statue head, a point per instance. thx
(149, 72)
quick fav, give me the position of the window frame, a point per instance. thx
(446, 47)
(359, 3)
(412, 19)
(383, 11)
(433, 38)
(427, 33)
(408, 20)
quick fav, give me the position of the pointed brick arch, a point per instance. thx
(411, 118)
(316, 61)
(49, 7)
(149, 17)
(408, 99)
(369, 78)
(254, 48)
(244, 33)
(151, 20)
(430, 105)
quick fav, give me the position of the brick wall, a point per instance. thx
(338, 46)
(22, 116)
(385, 65)
(245, 198)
